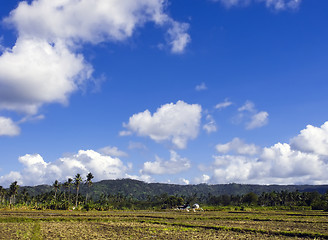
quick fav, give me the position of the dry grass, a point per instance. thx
(163, 225)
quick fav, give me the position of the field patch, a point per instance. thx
(163, 225)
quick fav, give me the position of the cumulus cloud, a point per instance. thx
(184, 181)
(45, 67)
(312, 139)
(302, 161)
(175, 165)
(278, 164)
(201, 87)
(8, 127)
(203, 179)
(255, 119)
(94, 22)
(258, 120)
(35, 72)
(237, 146)
(210, 126)
(275, 4)
(113, 152)
(142, 177)
(37, 171)
(177, 123)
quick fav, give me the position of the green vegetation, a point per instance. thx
(61, 196)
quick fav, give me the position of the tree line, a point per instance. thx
(64, 196)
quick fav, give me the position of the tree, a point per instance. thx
(2, 194)
(24, 196)
(69, 184)
(250, 198)
(88, 181)
(13, 190)
(56, 186)
(77, 181)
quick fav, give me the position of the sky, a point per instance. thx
(183, 91)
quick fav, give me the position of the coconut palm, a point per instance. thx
(2, 194)
(25, 196)
(69, 183)
(77, 181)
(13, 190)
(88, 181)
(56, 186)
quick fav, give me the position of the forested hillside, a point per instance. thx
(141, 190)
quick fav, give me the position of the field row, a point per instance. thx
(163, 225)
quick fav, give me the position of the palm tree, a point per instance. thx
(25, 196)
(56, 186)
(65, 185)
(77, 181)
(88, 181)
(2, 194)
(68, 185)
(13, 190)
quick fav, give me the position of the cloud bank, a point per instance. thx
(303, 161)
(37, 171)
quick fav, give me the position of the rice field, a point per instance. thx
(266, 224)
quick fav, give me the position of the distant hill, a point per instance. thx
(141, 190)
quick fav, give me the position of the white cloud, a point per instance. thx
(312, 140)
(231, 168)
(142, 177)
(137, 145)
(96, 21)
(201, 87)
(35, 72)
(113, 152)
(282, 4)
(124, 133)
(286, 162)
(275, 4)
(210, 126)
(179, 38)
(232, 3)
(37, 171)
(171, 122)
(8, 127)
(44, 66)
(248, 106)
(224, 104)
(258, 120)
(184, 181)
(303, 161)
(203, 179)
(238, 146)
(175, 165)
(31, 118)
(6, 180)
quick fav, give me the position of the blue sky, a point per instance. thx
(180, 91)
